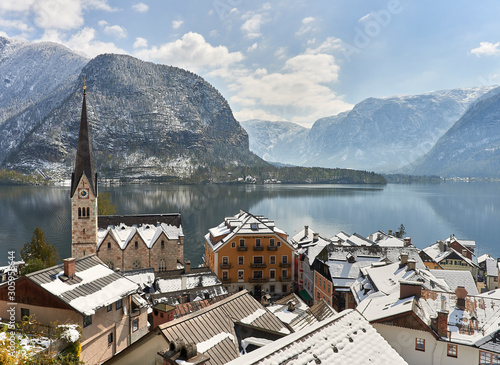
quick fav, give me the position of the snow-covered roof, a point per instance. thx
(94, 286)
(491, 267)
(301, 316)
(437, 255)
(187, 282)
(386, 240)
(456, 278)
(143, 277)
(243, 223)
(346, 338)
(213, 328)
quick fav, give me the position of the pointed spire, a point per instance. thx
(84, 163)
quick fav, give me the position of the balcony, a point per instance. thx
(258, 280)
(258, 266)
(272, 248)
(226, 266)
(285, 264)
(226, 281)
(258, 248)
(242, 248)
(285, 278)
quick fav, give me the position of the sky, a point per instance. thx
(283, 60)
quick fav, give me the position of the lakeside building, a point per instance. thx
(249, 252)
(87, 293)
(122, 242)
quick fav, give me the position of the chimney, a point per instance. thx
(409, 289)
(461, 294)
(407, 241)
(291, 306)
(187, 267)
(306, 231)
(465, 253)
(390, 232)
(410, 265)
(442, 323)
(339, 242)
(404, 259)
(441, 246)
(69, 267)
(315, 237)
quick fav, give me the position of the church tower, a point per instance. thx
(83, 193)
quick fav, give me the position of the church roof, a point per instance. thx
(84, 163)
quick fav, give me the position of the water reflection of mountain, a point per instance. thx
(429, 212)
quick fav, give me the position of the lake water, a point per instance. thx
(429, 212)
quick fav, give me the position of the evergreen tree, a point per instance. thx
(38, 254)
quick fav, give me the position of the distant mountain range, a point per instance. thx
(146, 120)
(150, 120)
(396, 134)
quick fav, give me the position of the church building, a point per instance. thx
(122, 242)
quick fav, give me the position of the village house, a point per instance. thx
(122, 242)
(454, 254)
(488, 271)
(219, 332)
(85, 292)
(346, 338)
(308, 245)
(337, 267)
(437, 320)
(249, 252)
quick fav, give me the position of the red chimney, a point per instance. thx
(442, 323)
(69, 267)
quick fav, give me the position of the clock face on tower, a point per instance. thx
(83, 193)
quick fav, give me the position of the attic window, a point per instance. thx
(254, 226)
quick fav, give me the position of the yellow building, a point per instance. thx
(250, 252)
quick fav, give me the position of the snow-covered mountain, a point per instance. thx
(272, 140)
(378, 134)
(471, 148)
(31, 71)
(146, 120)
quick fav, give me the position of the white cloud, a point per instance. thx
(102, 23)
(140, 43)
(252, 26)
(280, 53)
(308, 26)
(116, 31)
(83, 42)
(247, 114)
(98, 5)
(3, 34)
(331, 44)
(253, 47)
(486, 49)
(213, 33)
(191, 52)
(365, 18)
(301, 91)
(15, 24)
(140, 8)
(176, 24)
(16, 5)
(58, 14)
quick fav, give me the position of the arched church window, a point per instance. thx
(79, 212)
(109, 245)
(83, 212)
(136, 244)
(88, 212)
(162, 244)
(162, 266)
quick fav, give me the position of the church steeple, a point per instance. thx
(84, 163)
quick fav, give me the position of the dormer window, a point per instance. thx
(254, 226)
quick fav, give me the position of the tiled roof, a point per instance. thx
(346, 338)
(95, 285)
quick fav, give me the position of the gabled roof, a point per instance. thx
(456, 278)
(302, 316)
(242, 223)
(346, 338)
(212, 328)
(95, 285)
(84, 164)
(437, 255)
(148, 226)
